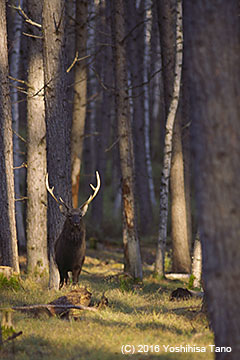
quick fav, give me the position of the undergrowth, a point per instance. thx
(138, 314)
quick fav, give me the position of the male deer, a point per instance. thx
(70, 246)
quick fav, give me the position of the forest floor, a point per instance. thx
(141, 316)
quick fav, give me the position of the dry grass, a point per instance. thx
(143, 315)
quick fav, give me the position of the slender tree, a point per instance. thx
(15, 23)
(36, 170)
(167, 17)
(179, 234)
(164, 186)
(135, 54)
(58, 122)
(80, 96)
(8, 236)
(130, 238)
(213, 58)
(103, 68)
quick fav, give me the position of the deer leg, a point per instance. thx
(75, 275)
(63, 278)
(76, 272)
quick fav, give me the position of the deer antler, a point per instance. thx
(95, 189)
(50, 190)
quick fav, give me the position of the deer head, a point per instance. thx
(74, 215)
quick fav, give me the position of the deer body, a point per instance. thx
(70, 246)
(70, 249)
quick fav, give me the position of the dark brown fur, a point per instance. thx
(70, 247)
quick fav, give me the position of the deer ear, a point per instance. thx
(84, 209)
(63, 209)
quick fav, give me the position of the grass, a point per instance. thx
(136, 315)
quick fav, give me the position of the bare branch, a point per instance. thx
(99, 79)
(20, 167)
(75, 60)
(22, 198)
(112, 145)
(33, 36)
(24, 15)
(19, 136)
(19, 80)
(73, 63)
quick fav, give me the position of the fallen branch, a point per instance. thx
(49, 307)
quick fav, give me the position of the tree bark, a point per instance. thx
(167, 16)
(15, 30)
(8, 236)
(135, 55)
(213, 57)
(164, 187)
(103, 66)
(58, 123)
(80, 97)
(36, 171)
(130, 237)
(180, 245)
(197, 263)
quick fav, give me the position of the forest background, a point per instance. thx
(101, 85)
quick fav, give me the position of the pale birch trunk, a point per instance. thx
(197, 263)
(8, 236)
(147, 35)
(164, 186)
(130, 237)
(37, 255)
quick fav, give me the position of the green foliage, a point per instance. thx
(191, 281)
(13, 283)
(7, 332)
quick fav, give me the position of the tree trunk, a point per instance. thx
(197, 263)
(180, 245)
(135, 54)
(57, 120)
(103, 66)
(8, 236)
(164, 187)
(147, 109)
(167, 16)
(80, 97)
(14, 70)
(36, 171)
(130, 237)
(213, 58)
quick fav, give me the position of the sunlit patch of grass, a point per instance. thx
(137, 315)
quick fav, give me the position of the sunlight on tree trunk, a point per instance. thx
(8, 236)
(37, 256)
(58, 120)
(14, 70)
(164, 186)
(180, 245)
(197, 262)
(130, 237)
(80, 97)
